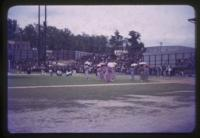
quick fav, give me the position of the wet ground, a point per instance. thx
(168, 106)
(130, 113)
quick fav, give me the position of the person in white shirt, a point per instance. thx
(68, 73)
(87, 68)
(51, 72)
(59, 72)
(169, 69)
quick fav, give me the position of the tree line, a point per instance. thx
(57, 39)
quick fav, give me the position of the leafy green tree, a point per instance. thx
(135, 46)
(116, 41)
(12, 25)
(57, 39)
(13, 30)
(29, 33)
(100, 44)
(54, 38)
(67, 39)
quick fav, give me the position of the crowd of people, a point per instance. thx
(30, 66)
(124, 66)
(101, 65)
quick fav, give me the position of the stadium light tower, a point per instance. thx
(42, 42)
(45, 32)
(38, 35)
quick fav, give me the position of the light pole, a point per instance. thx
(42, 48)
(39, 35)
(45, 32)
(161, 59)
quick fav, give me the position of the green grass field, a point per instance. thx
(59, 96)
(35, 80)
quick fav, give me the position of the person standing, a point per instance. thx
(132, 71)
(102, 72)
(160, 70)
(110, 71)
(169, 69)
(113, 71)
(164, 71)
(50, 71)
(98, 70)
(28, 70)
(146, 72)
(108, 75)
(86, 68)
(59, 72)
(141, 69)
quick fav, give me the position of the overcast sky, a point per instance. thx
(167, 23)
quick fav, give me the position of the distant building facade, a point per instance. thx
(168, 55)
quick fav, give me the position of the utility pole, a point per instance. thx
(45, 33)
(42, 44)
(38, 49)
(161, 59)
